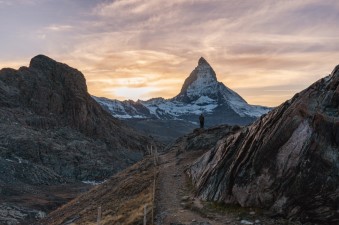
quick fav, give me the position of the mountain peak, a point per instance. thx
(41, 61)
(201, 81)
(202, 61)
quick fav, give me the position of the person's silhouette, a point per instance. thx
(202, 120)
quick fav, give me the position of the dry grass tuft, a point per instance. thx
(122, 199)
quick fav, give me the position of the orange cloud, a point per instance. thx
(266, 51)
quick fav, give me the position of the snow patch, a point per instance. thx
(204, 100)
(126, 116)
(202, 95)
(246, 222)
(93, 182)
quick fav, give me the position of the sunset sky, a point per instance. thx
(139, 49)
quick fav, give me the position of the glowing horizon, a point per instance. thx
(134, 49)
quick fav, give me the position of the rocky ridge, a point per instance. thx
(124, 195)
(287, 161)
(52, 132)
(200, 93)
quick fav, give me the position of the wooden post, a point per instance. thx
(156, 154)
(145, 214)
(154, 179)
(99, 215)
(153, 199)
(149, 150)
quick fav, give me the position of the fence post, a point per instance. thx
(145, 214)
(153, 200)
(99, 215)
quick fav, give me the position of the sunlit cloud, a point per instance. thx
(265, 50)
(59, 27)
(12, 64)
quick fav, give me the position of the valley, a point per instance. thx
(67, 158)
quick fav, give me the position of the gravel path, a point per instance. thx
(173, 197)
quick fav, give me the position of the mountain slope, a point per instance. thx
(200, 93)
(287, 161)
(52, 132)
(124, 195)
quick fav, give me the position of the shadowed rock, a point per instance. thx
(53, 132)
(287, 161)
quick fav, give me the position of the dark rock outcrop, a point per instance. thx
(202, 139)
(47, 117)
(52, 131)
(287, 161)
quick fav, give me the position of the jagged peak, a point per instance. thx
(202, 61)
(41, 61)
(335, 70)
(202, 79)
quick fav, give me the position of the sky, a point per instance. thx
(265, 50)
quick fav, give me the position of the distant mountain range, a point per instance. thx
(200, 93)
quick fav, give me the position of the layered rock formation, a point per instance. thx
(287, 161)
(53, 132)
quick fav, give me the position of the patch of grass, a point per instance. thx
(190, 188)
(232, 209)
(200, 211)
(122, 199)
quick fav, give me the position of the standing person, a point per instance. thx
(202, 120)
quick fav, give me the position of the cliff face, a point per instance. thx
(46, 111)
(287, 161)
(57, 96)
(52, 132)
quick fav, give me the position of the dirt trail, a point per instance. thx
(174, 200)
(175, 203)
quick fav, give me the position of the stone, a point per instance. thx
(53, 132)
(286, 161)
(185, 198)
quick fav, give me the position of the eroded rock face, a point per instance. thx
(52, 132)
(287, 161)
(48, 117)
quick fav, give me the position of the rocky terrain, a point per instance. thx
(286, 162)
(281, 169)
(122, 198)
(53, 133)
(200, 93)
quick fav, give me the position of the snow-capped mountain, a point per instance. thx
(200, 93)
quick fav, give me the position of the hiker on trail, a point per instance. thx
(202, 120)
